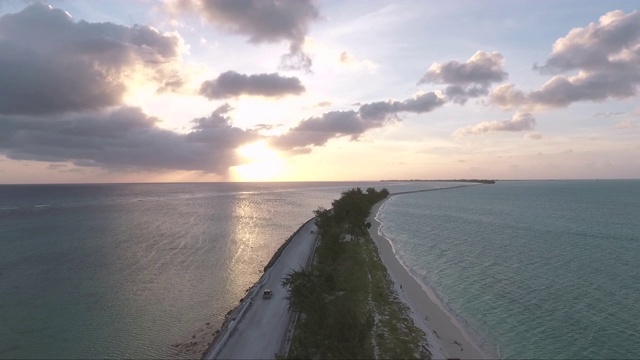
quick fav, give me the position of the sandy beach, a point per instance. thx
(447, 337)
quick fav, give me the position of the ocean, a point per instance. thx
(533, 269)
(128, 270)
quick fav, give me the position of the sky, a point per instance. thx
(301, 90)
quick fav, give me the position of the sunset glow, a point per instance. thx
(146, 91)
(264, 164)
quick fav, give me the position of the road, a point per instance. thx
(260, 330)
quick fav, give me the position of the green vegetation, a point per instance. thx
(346, 302)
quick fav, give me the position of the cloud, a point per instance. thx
(346, 58)
(610, 44)
(171, 82)
(420, 103)
(295, 60)
(508, 97)
(605, 55)
(562, 91)
(265, 127)
(533, 136)
(56, 166)
(64, 168)
(124, 138)
(316, 131)
(264, 21)
(459, 94)
(482, 68)
(519, 122)
(231, 84)
(350, 61)
(469, 79)
(625, 124)
(51, 64)
(609, 114)
(381, 110)
(323, 104)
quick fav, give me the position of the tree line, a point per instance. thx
(330, 297)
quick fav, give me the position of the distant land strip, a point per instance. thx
(480, 181)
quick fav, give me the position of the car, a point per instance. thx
(267, 294)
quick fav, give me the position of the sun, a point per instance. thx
(264, 163)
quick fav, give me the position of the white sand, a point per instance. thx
(447, 337)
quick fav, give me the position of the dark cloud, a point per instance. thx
(379, 111)
(562, 91)
(469, 79)
(264, 21)
(51, 64)
(382, 110)
(507, 96)
(606, 57)
(316, 131)
(519, 122)
(230, 84)
(482, 68)
(422, 103)
(123, 138)
(459, 94)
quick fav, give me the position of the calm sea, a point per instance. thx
(536, 269)
(95, 271)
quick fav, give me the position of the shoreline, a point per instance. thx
(234, 316)
(447, 337)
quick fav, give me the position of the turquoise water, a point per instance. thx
(95, 271)
(535, 269)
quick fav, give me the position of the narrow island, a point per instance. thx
(336, 290)
(346, 302)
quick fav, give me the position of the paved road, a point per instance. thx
(261, 329)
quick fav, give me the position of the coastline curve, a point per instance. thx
(446, 333)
